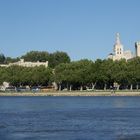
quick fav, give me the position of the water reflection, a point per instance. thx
(130, 137)
(119, 103)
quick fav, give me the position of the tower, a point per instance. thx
(137, 49)
(118, 47)
(119, 52)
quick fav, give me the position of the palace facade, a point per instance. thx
(26, 64)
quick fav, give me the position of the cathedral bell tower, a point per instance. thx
(119, 53)
(118, 47)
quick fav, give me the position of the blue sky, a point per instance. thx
(82, 28)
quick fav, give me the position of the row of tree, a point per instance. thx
(22, 76)
(101, 74)
(77, 75)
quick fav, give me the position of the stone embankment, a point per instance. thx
(73, 93)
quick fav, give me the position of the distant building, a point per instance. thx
(26, 64)
(119, 52)
(137, 49)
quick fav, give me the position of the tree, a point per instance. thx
(54, 59)
(11, 60)
(83, 72)
(133, 73)
(59, 74)
(74, 73)
(35, 56)
(57, 58)
(2, 59)
(21, 76)
(40, 76)
(120, 70)
(3, 75)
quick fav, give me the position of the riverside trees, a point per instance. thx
(21, 76)
(76, 75)
(101, 74)
(17, 75)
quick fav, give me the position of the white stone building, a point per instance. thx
(119, 52)
(26, 64)
(137, 49)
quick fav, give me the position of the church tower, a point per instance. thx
(137, 48)
(119, 53)
(118, 47)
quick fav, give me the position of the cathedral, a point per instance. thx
(119, 52)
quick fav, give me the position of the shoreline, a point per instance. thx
(73, 93)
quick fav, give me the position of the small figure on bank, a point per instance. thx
(112, 88)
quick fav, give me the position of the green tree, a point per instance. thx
(2, 59)
(120, 73)
(35, 56)
(57, 58)
(133, 73)
(11, 60)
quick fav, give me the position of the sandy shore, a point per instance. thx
(73, 93)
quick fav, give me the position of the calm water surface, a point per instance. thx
(69, 118)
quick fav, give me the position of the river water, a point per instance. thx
(70, 118)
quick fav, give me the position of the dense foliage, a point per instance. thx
(21, 76)
(54, 58)
(101, 74)
(2, 58)
(76, 75)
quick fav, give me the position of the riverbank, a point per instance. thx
(73, 93)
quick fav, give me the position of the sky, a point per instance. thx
(82, 28)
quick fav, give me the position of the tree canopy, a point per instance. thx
(82, 74)
(54, 58)
(101, 74)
